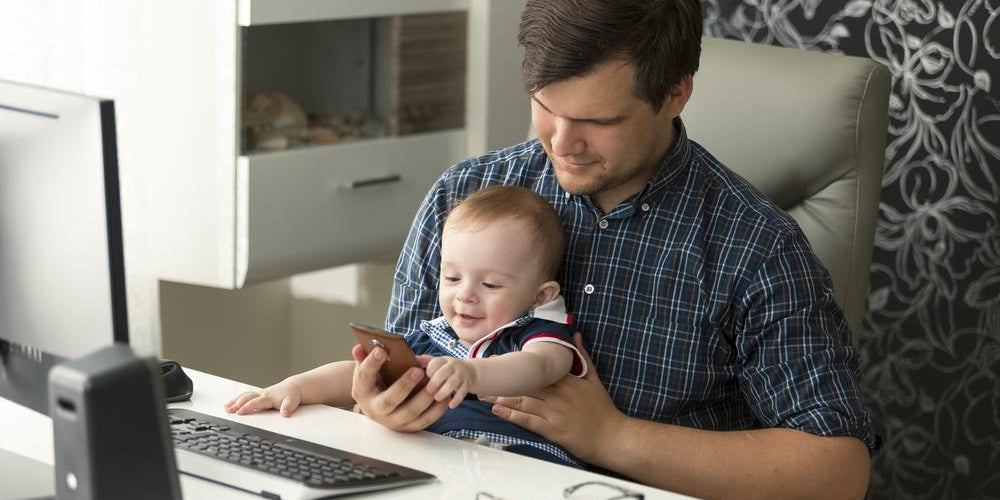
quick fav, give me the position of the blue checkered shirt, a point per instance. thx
(700, 301)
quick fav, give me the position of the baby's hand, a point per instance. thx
(450, 377)
(284, 396)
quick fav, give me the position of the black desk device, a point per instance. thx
(176, 383)
(110, 429)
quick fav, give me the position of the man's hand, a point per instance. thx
(450, 379)
(393, 407)
(576, 413)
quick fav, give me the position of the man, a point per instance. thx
(721, 365)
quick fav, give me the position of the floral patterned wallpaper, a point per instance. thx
(931, 338)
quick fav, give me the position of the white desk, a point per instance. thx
(462, 468)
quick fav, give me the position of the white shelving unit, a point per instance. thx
(228, 219)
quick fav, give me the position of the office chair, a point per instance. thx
(809, 130)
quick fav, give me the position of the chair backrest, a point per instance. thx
(809, 130)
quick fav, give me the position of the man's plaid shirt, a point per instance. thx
(701, 302)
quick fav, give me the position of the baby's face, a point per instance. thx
(489, 277)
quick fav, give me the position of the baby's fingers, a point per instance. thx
(288, 406)
(439, 380)
(432, 365)
(240, 400)
(459, 395)
(448, 388)
(424, 360)
(255, 405)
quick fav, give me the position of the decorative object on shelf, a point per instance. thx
(353, 126)
(273, 121)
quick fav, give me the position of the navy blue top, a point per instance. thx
(473, 418)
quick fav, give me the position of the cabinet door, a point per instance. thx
(314, 208)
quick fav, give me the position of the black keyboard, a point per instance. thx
(274, 465)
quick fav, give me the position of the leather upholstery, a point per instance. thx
(809, 130)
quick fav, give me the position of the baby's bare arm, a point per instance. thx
(538, 365)
(328, 384)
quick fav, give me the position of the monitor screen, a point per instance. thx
(62, 279)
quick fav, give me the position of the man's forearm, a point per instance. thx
(766, 463)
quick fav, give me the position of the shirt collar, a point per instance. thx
(673, 161)
(443, 336)
(671, 166)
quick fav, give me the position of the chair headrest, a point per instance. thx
(808, 129)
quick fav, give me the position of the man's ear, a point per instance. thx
(678, 96)
(546, 292)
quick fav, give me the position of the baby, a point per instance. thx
(504, 329)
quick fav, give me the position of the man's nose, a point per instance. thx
(566, 138)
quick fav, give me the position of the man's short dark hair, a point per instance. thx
(569, 38)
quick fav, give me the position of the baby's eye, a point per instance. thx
(492, 286)
(451, 279)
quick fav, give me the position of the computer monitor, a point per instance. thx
(62, 272)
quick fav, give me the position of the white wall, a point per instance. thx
(318, 331)
(92, 48)
(262, 333)
(128, 51)
(238, 334)
(121, 49)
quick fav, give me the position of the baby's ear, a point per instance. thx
(546, 292)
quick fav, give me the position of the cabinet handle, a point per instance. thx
(371, 181)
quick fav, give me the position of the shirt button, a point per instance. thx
(568, 195)
(451, 344)
(589, 289)
(603, 224)
(645, 207)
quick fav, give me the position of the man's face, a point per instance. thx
(603, 141)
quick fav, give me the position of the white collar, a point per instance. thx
(443, 335)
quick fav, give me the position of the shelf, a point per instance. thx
(352, 79)
(225, 218)
(318, 207)
(260, 12)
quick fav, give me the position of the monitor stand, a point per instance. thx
(24, 478)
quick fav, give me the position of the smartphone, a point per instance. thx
(400, 356)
